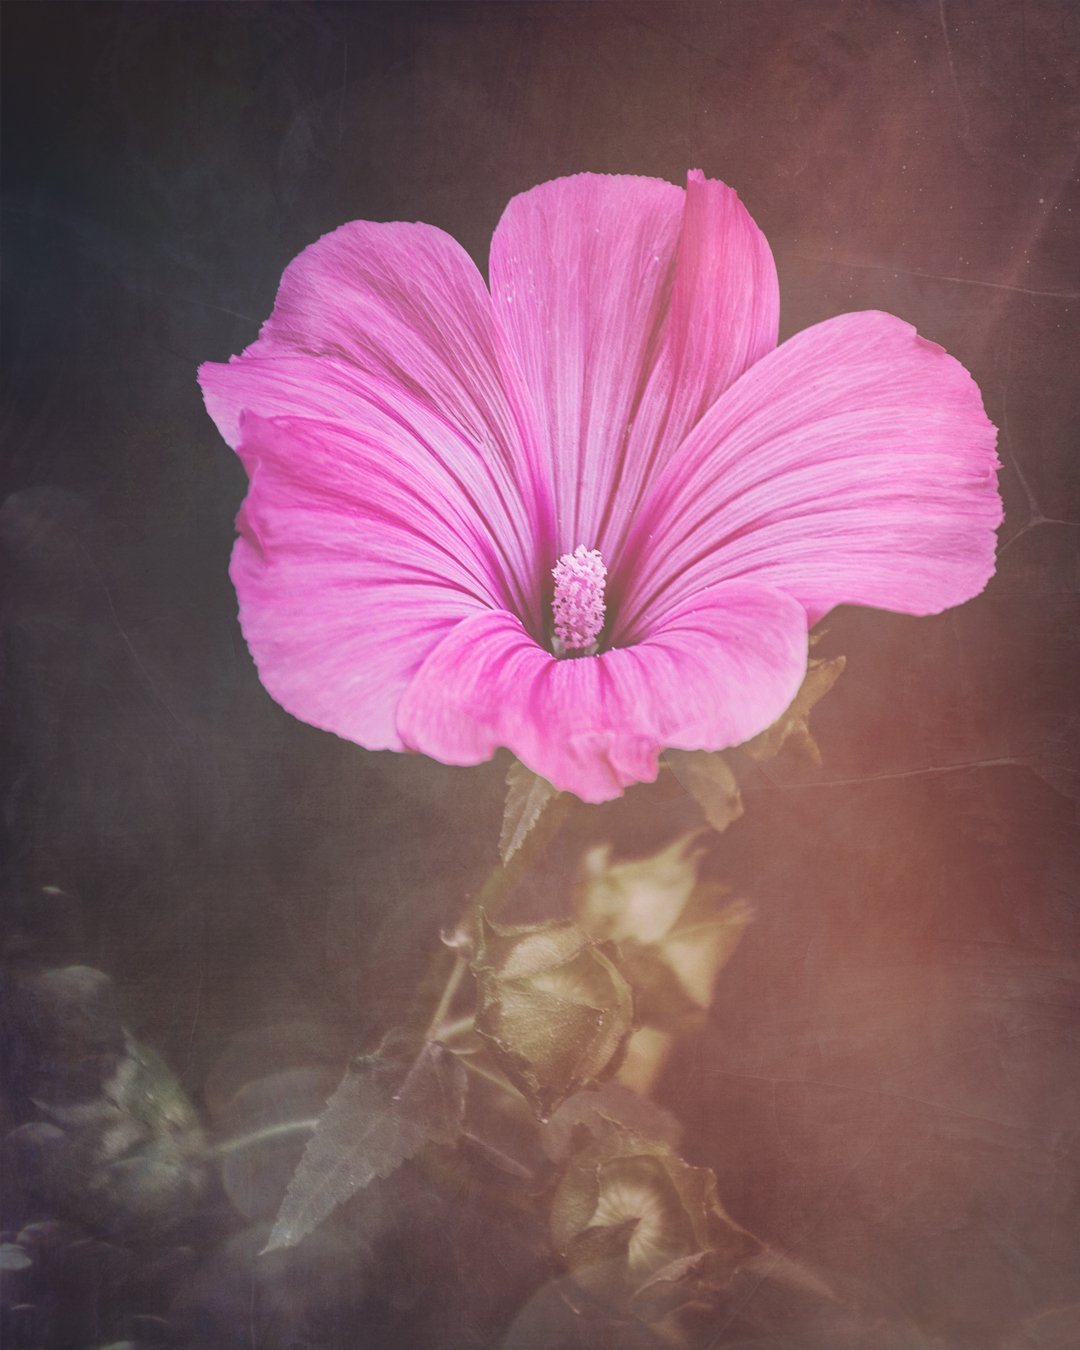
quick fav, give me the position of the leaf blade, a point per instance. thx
(527, 794)
(708, 778)
(380, 1116)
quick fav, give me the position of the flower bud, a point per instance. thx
(553, 1008)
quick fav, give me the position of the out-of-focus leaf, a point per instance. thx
(383, 1113)
(697, 952)
(527, 794)
(674, 936)
(659, 997)
(709, 779)
(259, 1052)
(674, 980)
(268, 1123)
(131, 1157)
(13, 1257)
(612, 1101)
(641, 898)
(773, 1265)
(792, 730)
(554, 1010)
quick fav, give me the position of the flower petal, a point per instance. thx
(346, 403)
(723, 317)
(854, 465)
(405, 301)
(629, 306)
(720, 668)
(351, 566)
(393, 306)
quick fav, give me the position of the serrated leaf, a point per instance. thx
(383, 1114)
(709, 779)
(527, 794)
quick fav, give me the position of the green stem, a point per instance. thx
(460, 1026)
(504, 879)
(443, 979)
(446, 998)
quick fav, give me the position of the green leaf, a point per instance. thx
(708, 778)
(527, 794)
(383, 1114)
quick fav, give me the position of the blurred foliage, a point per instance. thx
(792, 730)
(711, 781)
(387, 1108)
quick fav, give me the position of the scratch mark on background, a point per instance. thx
(1009, 286)
(960, 104)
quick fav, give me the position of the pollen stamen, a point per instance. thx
(578, 604)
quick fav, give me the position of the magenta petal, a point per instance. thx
(718, 670)
(350, 568)
(854, 465)
(629, 307)
(580, 276)
(723, 317)
(404, 301)
(434, 455)
(392, 306)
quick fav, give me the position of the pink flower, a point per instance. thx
(591, 513)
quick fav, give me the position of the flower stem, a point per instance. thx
(286, 1127)
(446, 998)
(452, 1031)
(440, 985)
(504, 878)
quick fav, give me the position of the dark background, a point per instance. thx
(890, 1086)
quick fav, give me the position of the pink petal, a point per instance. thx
(723, 317)
(719, 669)
(407, 302)
(344, 401)
(854, 465)
(628, 306)
(351, 566)
(404, 303)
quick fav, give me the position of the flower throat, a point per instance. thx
(578, 603)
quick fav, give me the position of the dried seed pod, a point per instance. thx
(641, 1229)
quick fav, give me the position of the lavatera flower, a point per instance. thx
(590, 512)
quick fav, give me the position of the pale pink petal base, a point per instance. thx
(715, 672)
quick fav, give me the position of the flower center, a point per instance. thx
(578, 604)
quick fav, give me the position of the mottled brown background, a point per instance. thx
(890, 1087)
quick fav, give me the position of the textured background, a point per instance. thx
(890, 1088)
